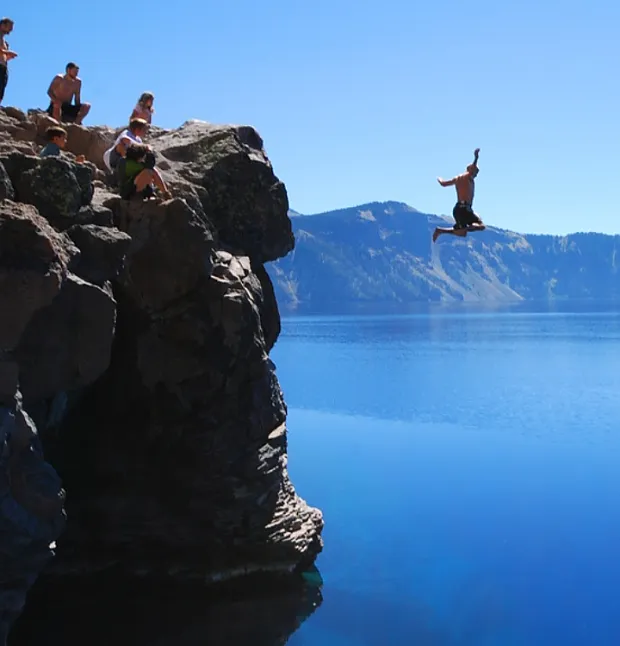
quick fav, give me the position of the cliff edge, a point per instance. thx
(135, 340)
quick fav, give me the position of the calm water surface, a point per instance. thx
(468, 469)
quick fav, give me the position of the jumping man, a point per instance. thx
(464, 216)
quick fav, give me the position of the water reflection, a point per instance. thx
(357, 619)
(110, 610)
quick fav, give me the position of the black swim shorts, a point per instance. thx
(4, 79)
(464, 216)
(129, 191)
(68, 111)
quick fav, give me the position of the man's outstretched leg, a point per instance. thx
(461, 233)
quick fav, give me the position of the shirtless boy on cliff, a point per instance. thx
(6, 55)
(464, 216)
(61, 92)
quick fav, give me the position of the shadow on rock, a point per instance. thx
(111, 610)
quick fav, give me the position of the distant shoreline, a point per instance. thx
(563, 306)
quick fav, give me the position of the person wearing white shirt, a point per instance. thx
(132, 135)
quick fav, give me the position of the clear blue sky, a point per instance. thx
(364, 100)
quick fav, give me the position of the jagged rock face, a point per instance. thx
(58, 188)
(31, 511)
(169, 255)
(34, 261)
(140, 334)
(6, 186)
(94, 214)
(235, 184)
(90, 142)
(40, 301)
(192, 397)
(68, 344)
(269, 311)
(102, 251)
(17, 132)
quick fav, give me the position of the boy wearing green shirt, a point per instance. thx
(138, 174)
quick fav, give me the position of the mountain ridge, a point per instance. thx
(381, 253)
(442, 216)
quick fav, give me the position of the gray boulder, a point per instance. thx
(57, 188)
(103, 251)
(233, 178)
(33, 266)
(67, 344)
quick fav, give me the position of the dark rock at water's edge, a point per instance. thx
(137, 343)
(381, 255)
(31, 504)
(110, 609)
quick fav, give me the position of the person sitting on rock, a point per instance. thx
(62, 90)
(132, 135)
(140, 175)
(56, 142)
(144, 108)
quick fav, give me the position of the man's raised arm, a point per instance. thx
(447, 182)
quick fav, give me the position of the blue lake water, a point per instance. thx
(467, 465)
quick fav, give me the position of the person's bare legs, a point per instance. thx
(57, 111)
(461, 233)
(161, 185)
(143, 179)
(82, 112)
(151, 176)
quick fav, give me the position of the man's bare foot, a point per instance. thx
(436, 234)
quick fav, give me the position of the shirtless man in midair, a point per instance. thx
(6, 55)
(61, 92)
(464, 216)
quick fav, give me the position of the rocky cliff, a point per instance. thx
(381, 254)
(135, 341)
